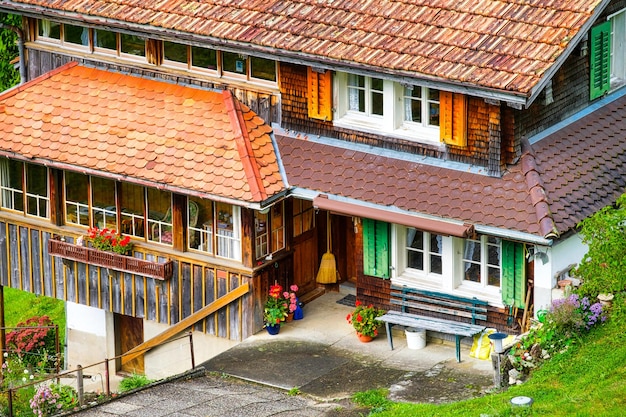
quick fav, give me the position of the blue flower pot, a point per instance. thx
(298, 314)
(273, 329)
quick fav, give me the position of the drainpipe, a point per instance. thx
(20, 46)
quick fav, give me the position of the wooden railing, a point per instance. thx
(185, 323)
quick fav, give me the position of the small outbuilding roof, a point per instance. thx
(160, 134)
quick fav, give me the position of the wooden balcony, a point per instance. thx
(110, 260)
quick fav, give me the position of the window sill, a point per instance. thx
(372, 127)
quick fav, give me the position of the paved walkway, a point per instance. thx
(319, 357)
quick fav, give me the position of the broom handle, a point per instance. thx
(328, 241)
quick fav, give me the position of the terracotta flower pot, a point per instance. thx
(289, 317)
(364, 338)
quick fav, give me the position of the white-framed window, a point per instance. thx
(465, 267)
(386, 107)
(482, 265)
(24, 188)
(71, 36)
(618, 47)
(269, 230)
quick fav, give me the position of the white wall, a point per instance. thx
(559, 257)
(87, 341)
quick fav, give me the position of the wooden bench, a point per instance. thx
(436, 302)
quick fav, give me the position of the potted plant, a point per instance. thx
(275, 310)
(364, 320)
(109, 241)
(292, 300)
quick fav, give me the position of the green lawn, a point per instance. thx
(21, 305)
(588, 380)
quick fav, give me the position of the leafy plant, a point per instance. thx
(50, 400)
(109, 241)
(9, 76)
(33, 341)
(133, 382)
(276, 306)
(375, 399)
(603, 268)
(364, 319)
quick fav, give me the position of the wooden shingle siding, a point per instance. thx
(26, 265)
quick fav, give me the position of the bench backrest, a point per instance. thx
(448, 304)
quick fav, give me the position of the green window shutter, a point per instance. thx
(375, 248)
(600, 56)
(513, 274)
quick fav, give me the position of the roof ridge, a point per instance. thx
(537, 192)
(244, 147)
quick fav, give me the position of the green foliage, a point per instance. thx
(133, 382)
(603, 269)
(9, 76)
(294, 391)
(375, 399)
(20, 305)
(364, 319)
(34, 343)
(587, 379)
(52, 399)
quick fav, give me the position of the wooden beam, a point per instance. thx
(185, 323)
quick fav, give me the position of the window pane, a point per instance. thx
(103, 203)
(176, 52)
(227, 233)
(415, 249)
(203, 58)
(433, 107)
(11, 184)
(159, 216)
(36, 190)
(413, 104)
(48, 29)
(494, 277)
(376, 87)
(132, 201)
(278, 229)
(302, 216)
(261, 235)
(105, 39)
(264, 69)
(232, 62)
(435, 254)
(76, 34)
(356, 93)
(415, 260)
(76, 198)
(132, 44)
(200, 224)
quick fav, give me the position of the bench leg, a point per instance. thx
(389, 336)
(458, 348)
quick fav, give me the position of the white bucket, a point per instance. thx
(415, 338)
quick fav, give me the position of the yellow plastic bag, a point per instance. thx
(481, 347)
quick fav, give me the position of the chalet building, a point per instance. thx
(451, 148)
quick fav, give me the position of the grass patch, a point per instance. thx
(588, 379)
(21, 305)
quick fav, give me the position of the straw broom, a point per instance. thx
(327, 273)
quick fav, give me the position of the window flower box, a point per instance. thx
(111, 260)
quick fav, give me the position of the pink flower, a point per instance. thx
(294, 288)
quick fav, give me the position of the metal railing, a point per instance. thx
(79, 375)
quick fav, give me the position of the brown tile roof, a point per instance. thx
(190, 140)
(566, 176)
(506, 45)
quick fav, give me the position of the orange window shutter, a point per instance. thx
(453, 118)
(320, 94)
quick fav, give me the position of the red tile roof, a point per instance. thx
(566, 176)
(190, 140)
(506, 45)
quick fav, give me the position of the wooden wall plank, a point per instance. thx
(115, 289)
(186, 290)
(198, 294)
(139, 286)
(49, 279)
(36, 272)
(151, 300)
(222, 316)
(14, 248)
(4, 255)
(234, 316)
(210, 293)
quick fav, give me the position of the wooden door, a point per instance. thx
(129, 333)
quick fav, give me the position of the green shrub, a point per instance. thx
(133, 382)
(603, 268)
